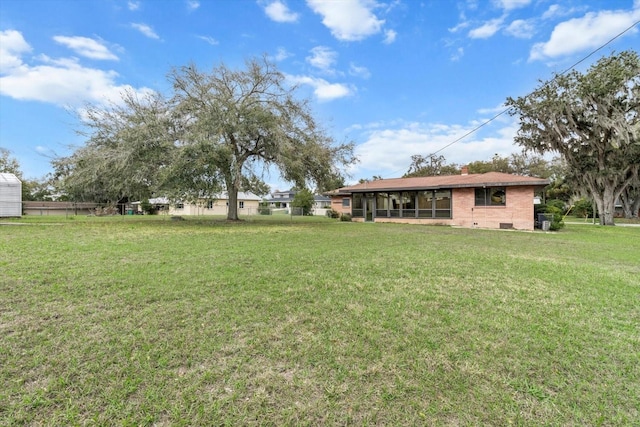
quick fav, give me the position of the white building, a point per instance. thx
(248, 204)
(10, 196)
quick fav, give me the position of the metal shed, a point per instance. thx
(10, 196)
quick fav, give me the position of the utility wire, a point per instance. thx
(486, 122)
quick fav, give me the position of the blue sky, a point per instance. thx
(397, 77)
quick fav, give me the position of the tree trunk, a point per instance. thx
(607, 205)
(232, 211)
(635, 208)
(630, 202)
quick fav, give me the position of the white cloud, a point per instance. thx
(279, 12)
(322, 89)
(461, 26)
(520, 28)
(86, 47)
(63, 82)
(557, 11)
(12, 46)
(210, 40)
(458, 54)
(587, 32)
(133, 5)
(282, 54)
(512, 4)
(193, 4)
(487, 30)
(357, 71)
(348, 20)
(146, 30)
(323, 58)
(390, 36)
(387, 150)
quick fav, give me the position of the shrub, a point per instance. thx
(553, 213)
(147, 207)
(556, 203)
(345, 217)
(583, 208)
(332, 213)
(264, 210)
(303, 200)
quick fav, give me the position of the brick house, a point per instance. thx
(488, 200)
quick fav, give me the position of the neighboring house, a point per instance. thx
(489, 200)
(283, 200)
(248, 204)
(10, 196)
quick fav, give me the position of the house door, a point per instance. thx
(368, 207)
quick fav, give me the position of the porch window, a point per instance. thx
(394, 204)
(408, 204)
(442, 204)
(358, 209)
(425, 204)
(491, 196)
(434, 204)
(382, 204)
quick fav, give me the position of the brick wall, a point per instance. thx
(518, 210)
(336, 204)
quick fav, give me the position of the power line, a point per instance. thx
(486, 122)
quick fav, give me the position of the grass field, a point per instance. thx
(147, 321)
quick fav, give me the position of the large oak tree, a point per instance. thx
(592, 121)
(244, 122)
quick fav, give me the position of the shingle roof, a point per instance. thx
(489, 179)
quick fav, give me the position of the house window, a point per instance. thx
(345, 202)
(434, 204)
(241, 204)
(210, 204)
(491, 196)
(179, 205)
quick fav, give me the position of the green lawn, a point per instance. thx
(308, 321)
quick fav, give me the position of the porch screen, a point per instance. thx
(357, 210)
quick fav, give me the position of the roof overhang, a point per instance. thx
(536, 183)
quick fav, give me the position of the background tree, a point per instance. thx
(129, 147)
(241, 123)
(591, 120)
(373, 178)
(431, 165)
(496, 164)
(304, 200)
(9, 164)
